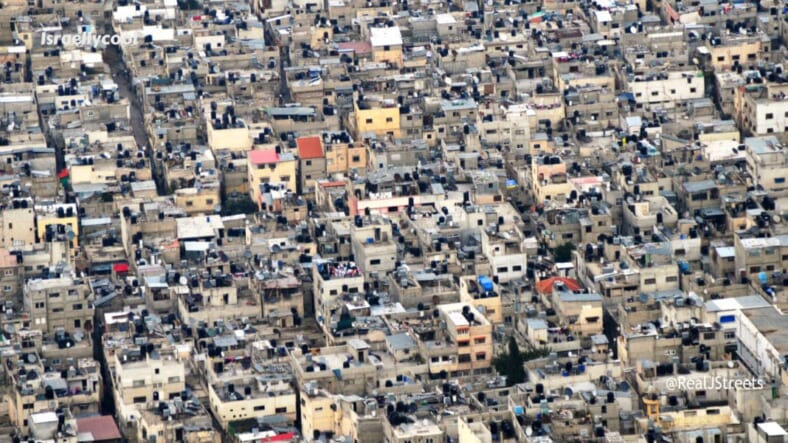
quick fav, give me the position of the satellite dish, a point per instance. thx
(183, 281)
(528, 431)
(31, 358)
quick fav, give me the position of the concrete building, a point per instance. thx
(269, 167)
(62, 303)
(143, 377)
(311, 162)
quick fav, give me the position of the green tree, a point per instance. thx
(563, 253)
(511, 364)
(189, 5)
(240, 205)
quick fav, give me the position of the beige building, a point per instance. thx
(373, 245)
(332, 281)
(549, 179)
(422, 431)
(767, 162)
(580, 312)
(460, 345)
(236, 399)
(19, 225)
(472, 291)
(60, 303)
(473, 431)
(667, 86)
(143, 377)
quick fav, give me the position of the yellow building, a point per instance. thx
(487, 302)
(58, 219)
(225, 131)
(386, 45)
(198, 200)
(549, 180)
(380, 118)
(269, 167)
(343, 155)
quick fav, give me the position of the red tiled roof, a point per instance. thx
(546, 286)
(262, 157)
(102, 427)
(359, 48)
(310, 147)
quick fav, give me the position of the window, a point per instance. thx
(208, 201)
(374, 261)
(503, 269)
(356, 158)
(387, 48)
(480, 356)
(709, 335)
(464, 358)
(57, 310)
(138, 383)
(284, 178)
(308, 163)
(479, 222)
(671, 279)
(712, 412)
(654, 93)
(779, 180)
(259, 408)
(175, 379)
(693, 90)
(730, 335)
(77, 307)
(650, 281)
(517, 268)
(281, 410)
(141, 399)
(369, 121)
(699, 196)
(40, 305)
(769, 116)
(389, 119)
(480, 340)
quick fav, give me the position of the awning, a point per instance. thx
(120, 267)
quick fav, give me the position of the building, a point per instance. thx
(270, 168)
(63, 303)
(311, 162)
(386, 45)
